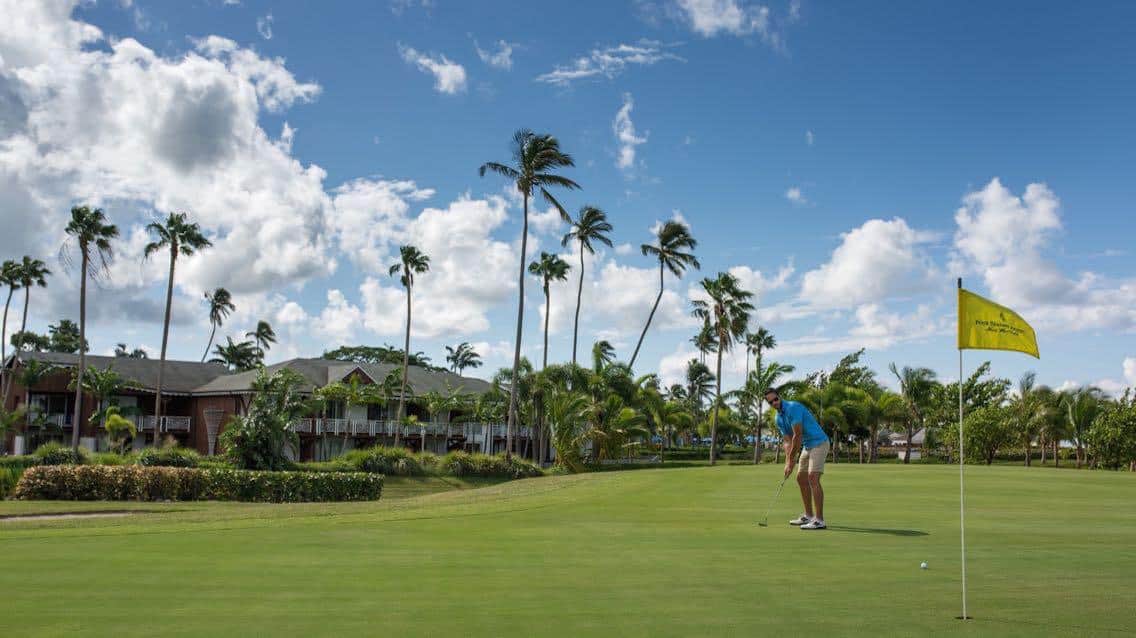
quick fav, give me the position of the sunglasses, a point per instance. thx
(774, 400)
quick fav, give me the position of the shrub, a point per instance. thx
(18, 462)
(259, 440)
(214, 463)
(169, 457)
(9, 477)
(136, 482)
(395, 461)
(112, 458)
(59, 454)
(474, 464)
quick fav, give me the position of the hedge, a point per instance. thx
(138, 483)
(475, 464)
(169, 457)
(58, 454)
(396, 461)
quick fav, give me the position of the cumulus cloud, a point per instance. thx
(264, 26)
(449, 76)
(372, 216)
(609, 62)
(878, 260)
(502, 58)
(710, 18)
(795, 196)
(759, 283)
(1004, 237)
(1130, 370)
(809, 138)
(625, 135)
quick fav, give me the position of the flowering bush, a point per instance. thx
(169, 457)
(474, 464)
(136, 482)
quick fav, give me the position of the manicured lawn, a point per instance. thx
(636, 553)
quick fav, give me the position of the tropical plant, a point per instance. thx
(672, 248)
(535, 156)
(727, 310)
(9, 421)
(1081, 408)
(1029, 412)
(550, 267)
(603, 354)
(705, 341)
(27, 274)
(411, 262)
(260, 439)
(699, 384)
(589, 228)
(120, 350)
(64, 337)
(665, 418)
(264, 336)
(102, 385)
(916, 386)
(9, 276)
(28, 341)
(758, 383)
(462, 357)
(118, 428)
(1112, 436)
(379, 354)
(89, 229)
(220, 305)
(181, 238)
(757, 343)
(238, 357)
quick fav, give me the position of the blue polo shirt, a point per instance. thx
(790, 414)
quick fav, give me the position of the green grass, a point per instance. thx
(642, 553)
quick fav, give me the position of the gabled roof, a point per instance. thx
(179, 377)
(321, 372)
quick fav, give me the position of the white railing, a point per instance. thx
(301, 426)
(49, 420)
(168, 423)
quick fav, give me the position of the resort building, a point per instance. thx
(198, 399)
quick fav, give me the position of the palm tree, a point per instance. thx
(181, 238)
(699, 384)
(534, 155)
(1081, 409)
(120, 350)
(672, 241)
(884, 409)
(706, 342)
(603, 353)
(758, 342)
(549, 268)
(263, 337)
(10, 277)
(102, 385)
(915, 386)
(90, 230)
(665, 418)
(238, 357)
(758, 383)
(220, 305)
(1028, 411)
(590, 227)
(727, 311)
(30, 273)
(462, 357)
(412, 262)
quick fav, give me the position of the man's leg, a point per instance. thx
(817, 493)
(803, 483)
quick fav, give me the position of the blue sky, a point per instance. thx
(825, 152)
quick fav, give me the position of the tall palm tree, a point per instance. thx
(915, 386)
(90, 230)
(757, 343)
(180, 237)
(462, 357)
(238, 357)
(590, 227)
(671, 248)
(263, 337)
(757, 384)
(882, 409)
(699, 384)
(220, 305)
(1081, 409)
(534, 156)
(603, 353)
(727, 311)
(412, 262)
(10, 277)
(1029, 412)
(549, 268)
(31, 273)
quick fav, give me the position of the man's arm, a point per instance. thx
(792, 445)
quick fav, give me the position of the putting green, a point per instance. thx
(642, 553)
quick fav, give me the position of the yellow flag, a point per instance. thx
(985, 325)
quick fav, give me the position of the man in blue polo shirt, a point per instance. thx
(799, 429)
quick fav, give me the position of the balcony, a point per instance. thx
(166, 424)
(385, 428)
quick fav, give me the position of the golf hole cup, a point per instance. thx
(923, 565)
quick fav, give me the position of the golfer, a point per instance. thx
(800, 430)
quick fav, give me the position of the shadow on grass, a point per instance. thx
(876, 530)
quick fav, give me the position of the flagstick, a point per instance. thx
(962, 491)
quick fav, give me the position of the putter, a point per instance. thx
(764, 522)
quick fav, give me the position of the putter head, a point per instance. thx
(762, 524)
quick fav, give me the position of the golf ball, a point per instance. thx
(923, 565)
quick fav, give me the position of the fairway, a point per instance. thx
(672, 552)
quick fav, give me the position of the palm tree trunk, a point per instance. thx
(910, 435)
(760, 413)
(714, 408)
(405, 367)
(210, 344)
(1029, 450)
(82, 352)
(873, 446)
(579, 296)
(649, 318)
(1041, 444)
(5, 383)
(547, 311)
(1056, 458)
(512, 417)
(165, 340)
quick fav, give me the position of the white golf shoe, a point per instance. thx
(801, 520)
(816, 523)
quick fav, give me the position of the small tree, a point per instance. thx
(260, 439)
(987, 430)
(1112, 437)
(118, 428)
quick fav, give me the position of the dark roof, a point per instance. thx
(179, 377)
(321, 372)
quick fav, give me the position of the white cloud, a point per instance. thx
(758, 283)
(1130, 370)
(500, 59)
(710, 18)
(878, 260)
(609, 62)
(624, 249)
(372, 217)
(624, 130)
(809, 138)
(339, 321)
(449, 76)
(1004, 238)
(795, 197)
(264, 26)
(672, 367)
(874, 329)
